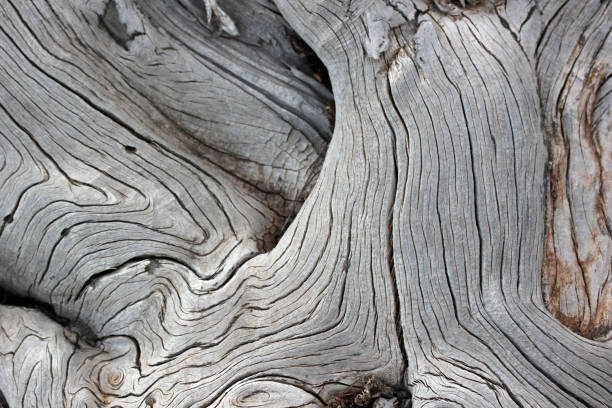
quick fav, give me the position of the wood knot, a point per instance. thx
(150, 401)
(115, 378)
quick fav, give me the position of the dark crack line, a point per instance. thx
(396, 297)
(3, 401)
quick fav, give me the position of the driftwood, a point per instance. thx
(190, 218)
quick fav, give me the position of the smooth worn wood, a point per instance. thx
(181, 229)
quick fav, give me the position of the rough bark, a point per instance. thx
(154, 156)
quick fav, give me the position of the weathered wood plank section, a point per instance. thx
(106, 157)
(109, 189)
(574, 60)
(151, 151)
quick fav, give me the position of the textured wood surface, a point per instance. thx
(181, 229)
(573, 64)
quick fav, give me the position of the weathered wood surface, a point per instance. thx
(573, 65)
(150, 159)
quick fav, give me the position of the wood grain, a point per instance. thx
(149, 163)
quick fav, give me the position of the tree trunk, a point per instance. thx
(182, 229)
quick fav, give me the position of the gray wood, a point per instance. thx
(182, 229)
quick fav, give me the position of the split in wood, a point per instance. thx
(371, 393)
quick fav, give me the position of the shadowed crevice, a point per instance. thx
(11, 299)
(3, 402)
(113, 23)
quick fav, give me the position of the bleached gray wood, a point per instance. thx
(148, 162)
